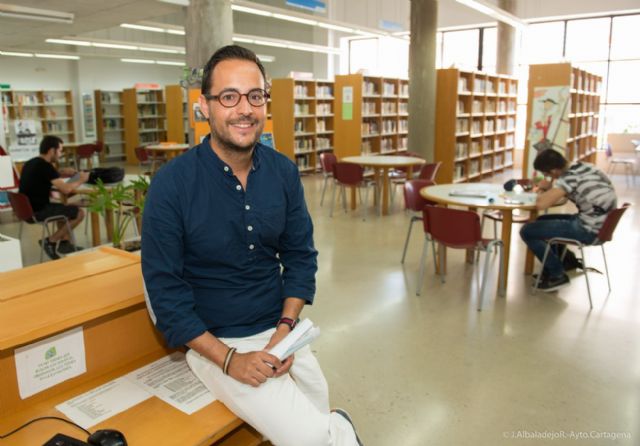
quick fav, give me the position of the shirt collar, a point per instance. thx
(205, 146)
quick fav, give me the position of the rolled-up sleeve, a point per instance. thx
(169, 297)
(297, 252)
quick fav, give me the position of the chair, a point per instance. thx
(414, 202)
(350, 175)
(23, 210)
(398, 175)
(99, 149)
(147, 158)
(628, 164)
(85, 152)
(496, 215)
(459, 229)
(429, 171)
(327, 160)
(604, 235)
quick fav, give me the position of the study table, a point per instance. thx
(381, 166)
(101, 292)
(169, 150)
(495, 198)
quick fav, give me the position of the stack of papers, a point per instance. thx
(304, 333)
(469, 193)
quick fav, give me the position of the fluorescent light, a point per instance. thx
(47, 15)
(268, 43)
(266, 59)
(178, 32)
(251, 10)
(336, 27)
(301, 48)
(116, 46)
(176, 2)
(243, 40)
(170, 62)
(147, 61)
(142, 27)
(57, 56)
(495, 12)
(15, 53)
(69, 42)
(291, 18)
(158, 50)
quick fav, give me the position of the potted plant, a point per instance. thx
(126, 203)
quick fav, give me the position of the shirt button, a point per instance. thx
(251, 247)
(247, 207)
(249, 228)
(238, 187)
(226, 168)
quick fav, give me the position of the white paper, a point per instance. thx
(51, 361)
(303, 334)
(171, 380)
(103, 402)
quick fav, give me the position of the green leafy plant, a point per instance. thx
(125, 202)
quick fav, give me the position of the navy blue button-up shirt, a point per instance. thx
(220, 258)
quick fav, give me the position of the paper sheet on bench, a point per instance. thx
(303, 334)
(168, 378)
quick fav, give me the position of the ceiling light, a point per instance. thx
(178, 32)
(15, 53)
(170, 62)
(268, 43)
(336, 27)
(251, 10)
(243, 40)
(266, 59)
(57, 56)
(22, 12)
(495, 12)
(291, 18)
(142, 27)
(147, 61)
(69, 42)
(115, 46)
(158, 50)
(300, 48)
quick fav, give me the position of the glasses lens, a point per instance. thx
(229, 98)
(257, 97)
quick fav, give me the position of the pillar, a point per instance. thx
(208, 26)
(506, 41)
(422, 78)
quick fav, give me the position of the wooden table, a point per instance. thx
(502, 201)
(381, 166)
(170, 151)
(100, 291)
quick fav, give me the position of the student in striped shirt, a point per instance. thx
(592, 193)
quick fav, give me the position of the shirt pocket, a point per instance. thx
(272, 221)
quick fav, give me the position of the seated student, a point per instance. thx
(592, 193)
(37, 178)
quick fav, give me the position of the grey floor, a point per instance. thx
(415, 371)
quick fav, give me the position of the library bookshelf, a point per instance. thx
(372, 115)
(110, 123)
(144, 119)
(175, 101)
(303, 120)
(475, 124)
(583, 110)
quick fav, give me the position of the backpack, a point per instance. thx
(106, 174)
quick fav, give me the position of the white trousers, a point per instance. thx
(292, 410)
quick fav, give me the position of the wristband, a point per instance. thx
(227, 360)
(288, 321)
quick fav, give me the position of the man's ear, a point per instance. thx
(204, 106)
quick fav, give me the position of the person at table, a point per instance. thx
(592, 193)
(37, 179)
(229, 262)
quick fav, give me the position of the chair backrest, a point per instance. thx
(21, 206)
(429, 171)
(141, 154)
(606, 231)
(454, 228)
(413, 201)
(327, 160)
(99, 146)
(347, 173)
(86, 150)
(16, 178)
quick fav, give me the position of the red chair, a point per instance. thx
(398, 175)
(496, 215)
(429, 171)
(413, 202)
(458, 229)
(99, 149)
(350, 175)
(85, 152)
(23, 210)
(604, 235)
(327, 160)
(145, 158)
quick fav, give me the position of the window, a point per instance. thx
(380, 56)
(460, 49)
(542, 43)
(624, 82)
(624, 37)
(489, 49)
(363, 55)
(588, 39)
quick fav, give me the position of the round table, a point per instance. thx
(169, 150)
(381, 165)
(488, 196)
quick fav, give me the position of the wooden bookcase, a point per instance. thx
(110, 123)
(475, 124)
(144, 119)
(378, 122)
(53, 110)
(583, 108)
(174, 98)
(303, 120)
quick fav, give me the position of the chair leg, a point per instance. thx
(441, 256)
(406, 242)
(366, 202)
(333, 199)
(324, 188)
(433, 251)
(423, 264)
(586, 276)
(20, 230)
(606, 267)
(344, 197)
(544, 261)
(485, 274)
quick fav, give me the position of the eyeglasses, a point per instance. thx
(230, 98)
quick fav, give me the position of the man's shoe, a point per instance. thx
(548, 284)
(49, 248)
(66, 247)
(343, 413)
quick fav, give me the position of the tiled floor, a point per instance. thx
(414, 371)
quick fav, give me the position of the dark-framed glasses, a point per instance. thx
(230, 98)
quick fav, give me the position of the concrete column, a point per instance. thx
(208, 26)
(506, 47)
(422, 77)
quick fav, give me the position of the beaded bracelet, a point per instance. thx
(227, 360)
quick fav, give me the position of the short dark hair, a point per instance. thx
(549, 159)
(226, 53)
(49, 142)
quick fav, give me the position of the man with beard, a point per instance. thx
(36, 181)
(228, 262)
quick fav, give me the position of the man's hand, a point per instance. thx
(279, 334)
(84, 177)
(544, 185)
(253, 368)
